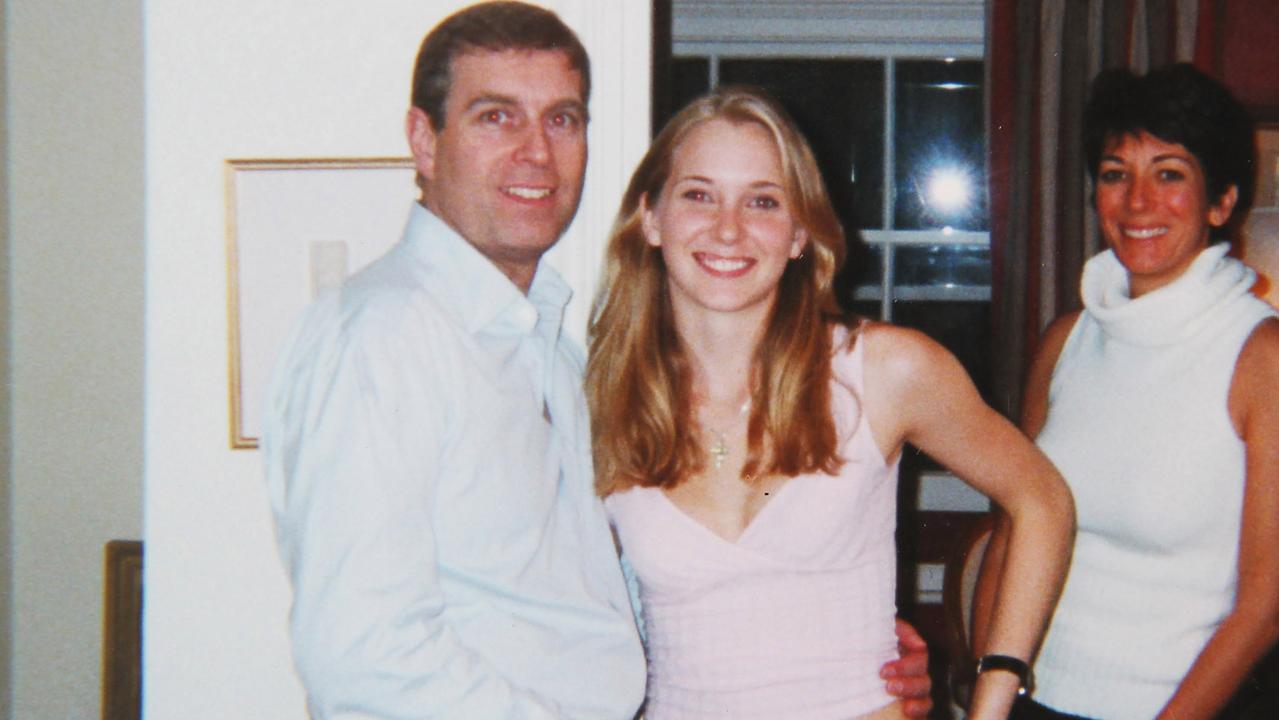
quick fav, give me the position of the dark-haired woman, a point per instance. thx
(1159, 402)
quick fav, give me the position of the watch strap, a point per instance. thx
(1016, 666)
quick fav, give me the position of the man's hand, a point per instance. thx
(908, 675)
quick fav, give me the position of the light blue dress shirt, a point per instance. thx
(428, 462)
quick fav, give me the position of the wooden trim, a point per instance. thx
(122, 632)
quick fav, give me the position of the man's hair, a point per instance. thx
(494, 27)
(1177, 104)
(638, 376)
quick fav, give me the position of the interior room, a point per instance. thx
(139, 568)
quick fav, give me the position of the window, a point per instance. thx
(893, 107)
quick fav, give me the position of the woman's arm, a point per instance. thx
(1253, 624)
(1034, 413)
(917, 392)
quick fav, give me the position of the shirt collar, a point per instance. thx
(473, 288)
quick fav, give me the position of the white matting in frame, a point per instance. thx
(294, 229)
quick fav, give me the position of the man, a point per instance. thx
(426, 438)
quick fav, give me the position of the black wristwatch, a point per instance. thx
(1013, 665)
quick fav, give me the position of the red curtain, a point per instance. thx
(1040, 57)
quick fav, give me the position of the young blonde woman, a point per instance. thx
(747, 436)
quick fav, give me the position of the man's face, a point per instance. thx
(506, 170)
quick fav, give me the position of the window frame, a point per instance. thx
(884, 31)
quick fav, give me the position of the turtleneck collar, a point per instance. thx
(1171, 313)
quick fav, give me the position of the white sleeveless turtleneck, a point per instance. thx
(1139, 426)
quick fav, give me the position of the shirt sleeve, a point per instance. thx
(353, 437)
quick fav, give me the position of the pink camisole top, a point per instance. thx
(795, 619)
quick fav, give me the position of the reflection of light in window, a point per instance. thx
(948, 190)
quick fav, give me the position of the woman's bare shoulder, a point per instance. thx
(896, 354)
(1265, 337)
(1259, 359)
(1054, 336)
(887, 339)
(1034, 410)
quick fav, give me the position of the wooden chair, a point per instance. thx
(958, 585)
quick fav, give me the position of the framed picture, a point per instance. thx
(1261, 231)
(122, 632)
(1267, 166)
(296, 228)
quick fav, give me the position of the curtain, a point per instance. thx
(1040, 57)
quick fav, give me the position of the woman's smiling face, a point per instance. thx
(724, 221)
(1154, 210)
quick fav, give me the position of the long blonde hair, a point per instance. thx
(638, 378)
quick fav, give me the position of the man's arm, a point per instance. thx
(352, 446)
(907, 676)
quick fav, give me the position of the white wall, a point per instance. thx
(6, 546)
(285, 79)
(75, 311)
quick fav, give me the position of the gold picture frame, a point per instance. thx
(122, 632)
(295, 228)
(1267, 195)
(1261, 230)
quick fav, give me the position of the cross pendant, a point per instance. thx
(719, 451)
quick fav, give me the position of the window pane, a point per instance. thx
(865, 308)
(942, 265)
(839, 105)
(690, 78)
(861, 280)
(941, 169)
